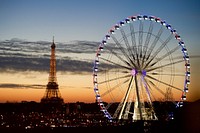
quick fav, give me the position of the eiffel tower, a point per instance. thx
(52, 94)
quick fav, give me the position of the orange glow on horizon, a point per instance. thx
(73, 87)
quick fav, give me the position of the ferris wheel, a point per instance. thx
(136, 62)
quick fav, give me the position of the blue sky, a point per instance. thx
(90, 20)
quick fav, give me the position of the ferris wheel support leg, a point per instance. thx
(138, 98)
(125, 99)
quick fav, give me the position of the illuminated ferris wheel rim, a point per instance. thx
(119, 25)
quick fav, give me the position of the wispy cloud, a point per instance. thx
(22, 55)
(22, 86)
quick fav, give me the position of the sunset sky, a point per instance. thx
(28, 26)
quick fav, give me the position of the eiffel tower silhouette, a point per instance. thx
(52, 94)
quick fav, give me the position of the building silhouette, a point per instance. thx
(52, 94)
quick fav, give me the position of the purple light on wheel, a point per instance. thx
(144, 73)
(133, 72)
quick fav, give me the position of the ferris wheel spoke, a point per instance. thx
(164, 56)
(169, 64)
(127, 43)
(157, 37)
(113, 70)
(113, 88)
(149, 33)
(133, 39)
(162, 46)
(102, 82)
(140, 37)
(122, 50)
(119, 57)
(161, 92)
(156, 87)
(167, 84)
(129, 68)
(159, 49)
(169, 74)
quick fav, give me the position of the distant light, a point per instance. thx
(107, 36)
(151, 18)
(168, 26)
(186, 57)
(116, 27)
(183, 97)
(101, 48)
(187, 81)
(95, 69)
(104, 42)
(186, 89)
(97, 62)
(163, 23)
(157, 20)
(187, 73)
(98, 54)
(177, 37)
(95, 75)
(133, 18)
(122, 23)
(187, 65)
(173, 31)
(139, 17)
(145, 17)
(181, 43)
(112, 31)
(127, 20)
(98, 97)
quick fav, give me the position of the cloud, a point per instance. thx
(22, 86)
(33, 86)
(40, 48)
(22, 55)
(78, 47)
(42, 64)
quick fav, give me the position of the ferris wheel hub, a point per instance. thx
(135, 72)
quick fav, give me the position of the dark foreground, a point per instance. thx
(136, 127)
(86, 118)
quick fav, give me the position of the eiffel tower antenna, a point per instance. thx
(52, 94)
